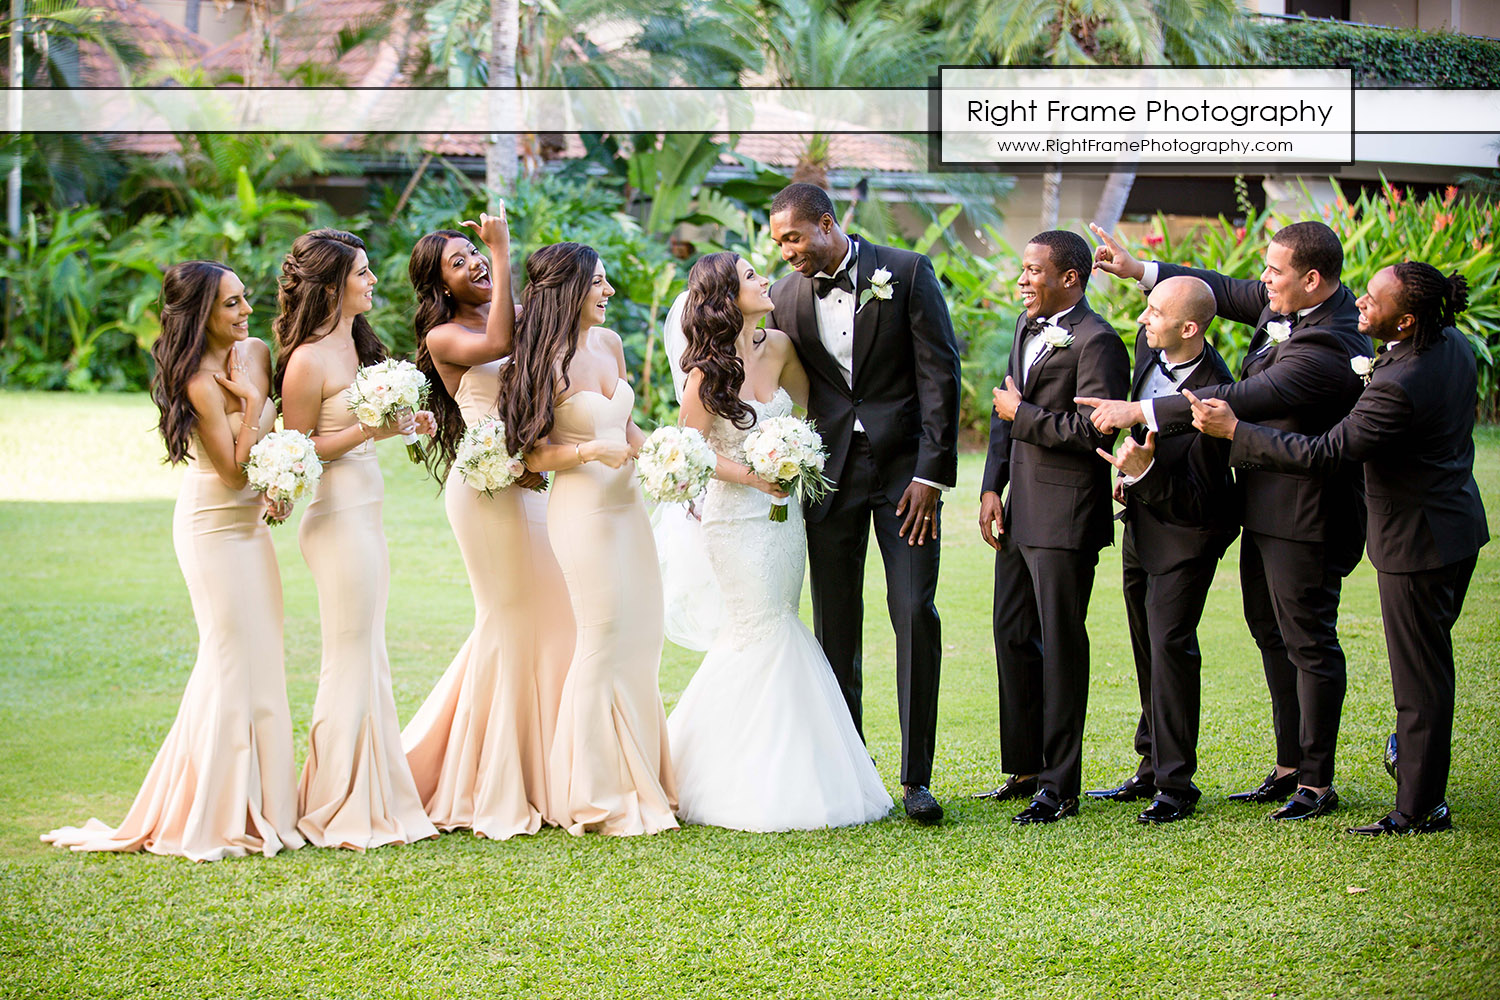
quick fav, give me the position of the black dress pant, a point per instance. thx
(1291, 605)
(1163, 611)
(1042, 656)
(836, 547)
(1419, 610)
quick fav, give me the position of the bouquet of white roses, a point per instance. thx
(675, 464)
(386, 390)
(285, 466)
(482, 460)
(788, 452)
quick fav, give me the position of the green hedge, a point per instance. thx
(1384, 57)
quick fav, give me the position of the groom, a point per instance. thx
(872, 330)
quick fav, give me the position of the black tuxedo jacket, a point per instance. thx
(1059, 489)
(1413, 428)
(906, 372)
(1303, 385)
(1186, 506)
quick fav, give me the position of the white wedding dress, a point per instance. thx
(761, 739)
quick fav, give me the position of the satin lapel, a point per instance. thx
(1069, 321)
(807, 339)
(866, 319)
(1142, 364)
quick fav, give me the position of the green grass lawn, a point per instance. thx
(97, 638)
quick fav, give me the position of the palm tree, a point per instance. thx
(500, 153)
(1090, 33)
(822, 44)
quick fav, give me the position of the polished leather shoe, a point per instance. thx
(1166, 809)
(1304, 804)
(1011, 788)
(1046, 808)
(1390, 758)
(1273, 789)
(921, 806)
(1129, 790)
(1435, 820)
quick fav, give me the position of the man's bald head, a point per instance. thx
(1186, 299)
(1177, 315)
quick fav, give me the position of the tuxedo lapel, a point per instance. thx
(1068, 322)
(806, 335)
(865, 320)
(1143, 354)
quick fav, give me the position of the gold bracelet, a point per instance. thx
(578, 451)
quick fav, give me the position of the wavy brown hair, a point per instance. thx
(434, 308)
(188, 293)
(557, 281)
(311, 292)
(712, 320)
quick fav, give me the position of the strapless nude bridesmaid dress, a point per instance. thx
(223, 783)
(611, 767)
(357, 790)
(478, 745)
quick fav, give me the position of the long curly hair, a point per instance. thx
(311, 292)
(712, 320)
(1434, 300)
(434, 308)
(558, 278)
(188, 293)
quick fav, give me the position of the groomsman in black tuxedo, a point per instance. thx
(871, 327)
(1180, 515)
(1304, 532)
(1048, 532)
(1414, 430)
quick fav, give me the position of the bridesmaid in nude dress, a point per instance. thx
(356, 789)
(566, 404)
(222, 784)
(478, 745)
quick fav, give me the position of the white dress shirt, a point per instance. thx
(1158, 384)
(1036, 344)
(835, 312)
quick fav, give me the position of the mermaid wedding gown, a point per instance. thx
(762, 739)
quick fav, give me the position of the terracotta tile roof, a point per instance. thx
(309, 34)
(158, 38)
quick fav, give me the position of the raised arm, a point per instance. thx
(249, 380)
(1379, 420)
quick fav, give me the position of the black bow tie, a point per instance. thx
(1171, 371)
(844, 279)
(1032, 327)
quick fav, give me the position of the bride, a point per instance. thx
(761, 739)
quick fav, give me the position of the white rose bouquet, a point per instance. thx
(284, 466)
(675, 464)
(482, 460)
(788, 452)
(387, 390)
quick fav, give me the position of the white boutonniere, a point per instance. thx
(1363, 367)
(1278, 331)
(1056, 337)
(880, 286)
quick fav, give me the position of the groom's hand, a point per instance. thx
(919, 504)
(991, 522)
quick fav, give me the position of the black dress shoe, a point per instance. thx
(1273, 789)
(1011, 788)
(1166, 809)
(1304, 804)
(1390, 758)
(921, 806)
(1129, 790)
(1435, 820)
(1046, 808)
